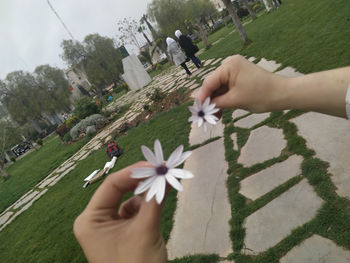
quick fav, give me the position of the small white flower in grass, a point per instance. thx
(161, 173)
(203, 113)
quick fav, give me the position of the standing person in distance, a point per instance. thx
(189, 48)
(176, 55)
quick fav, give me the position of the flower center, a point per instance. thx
(201, 114)
(162, 170)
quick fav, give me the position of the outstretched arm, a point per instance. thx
(238, 83)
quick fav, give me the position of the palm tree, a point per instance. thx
(236, 21)
(141, 30)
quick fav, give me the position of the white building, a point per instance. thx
(77, 80)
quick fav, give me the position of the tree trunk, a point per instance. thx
(203, 34)
(3, 173)
(236, 21)
(147, 39)
(251, 13)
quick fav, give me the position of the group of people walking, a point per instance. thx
(176, 54)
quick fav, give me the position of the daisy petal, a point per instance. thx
(181, 173)
(193, 118)
(161, 189)
(148, 154)
(210, 107)
(183, 157)
(212, 111)
(174, 157)
(154, 188)
(142, 172)
(158, 151)
(210, 119)
(192, 109)
(144, 185)
(206, 103)
(174, 182)
(200, 122)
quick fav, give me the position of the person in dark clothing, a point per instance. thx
(190, 49)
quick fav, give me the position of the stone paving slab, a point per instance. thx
(239, 113)
(276, 220)
(263, 144)
(5, 217)
(201, 221)
(252, 120)
(266, 180)
(198, 136)
(317, 249)
(26, 200)
(251, 59)
(329, 137)
(268, 65)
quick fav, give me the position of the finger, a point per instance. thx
(150, 212)
(218, 79)
(111, 191)
(130, 207)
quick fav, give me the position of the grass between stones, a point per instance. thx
(307, 35)
(34, 167)
(197, 259)
(43, 233)
(331, 221)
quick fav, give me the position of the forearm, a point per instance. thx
(321, 92)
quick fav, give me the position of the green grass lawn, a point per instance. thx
(34, 167)
(308, 35)
(43, 233)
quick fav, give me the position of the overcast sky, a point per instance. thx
(31, 34)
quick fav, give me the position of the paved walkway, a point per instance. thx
(284, 198)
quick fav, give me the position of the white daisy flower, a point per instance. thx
(161, 173)
(203, 113)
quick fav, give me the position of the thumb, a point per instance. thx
(150, 212)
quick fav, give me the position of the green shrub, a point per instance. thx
(13, 159)
(120, 88)
(39, 141)
(85, 107)
(96, 119)
(157, 95)
(67, 137)
(62, 129)
(158, 66)
(72, 121)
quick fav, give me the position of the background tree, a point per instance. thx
(74, 52)
(158, 39)
(198, 11)
(236, 21)
(251, 12)
(27, 96)
(141, 30)
(128, 31)
(9, 136)
(97, 56)
(53, 88)
(146, 56)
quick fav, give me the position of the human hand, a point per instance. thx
(238, 83)
(130, 235)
